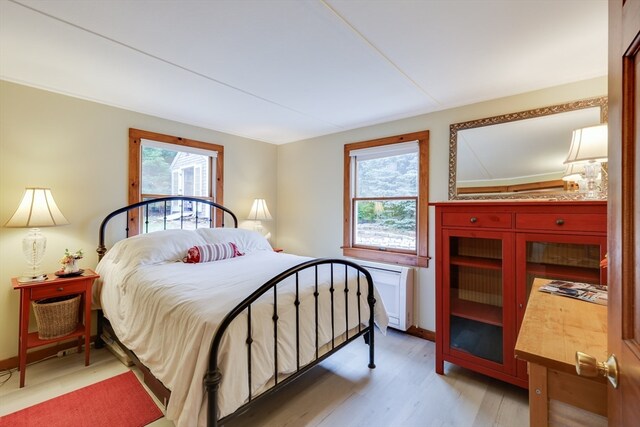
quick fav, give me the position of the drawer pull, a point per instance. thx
(473, 220)
(559, 221)
(60, 289)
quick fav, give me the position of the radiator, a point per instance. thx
(395, 285)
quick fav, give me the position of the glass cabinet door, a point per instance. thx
(555, 257)
(559, 258)
(476, 297)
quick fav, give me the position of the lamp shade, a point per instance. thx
(588, 145)
(37, 209)
(259, 211)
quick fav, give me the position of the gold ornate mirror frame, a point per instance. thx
(600, 102)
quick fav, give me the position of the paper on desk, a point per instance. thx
(583, 291)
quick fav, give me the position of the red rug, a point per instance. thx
(119, 401)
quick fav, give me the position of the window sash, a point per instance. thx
(198, 188)
(354, 222)
(356, 184)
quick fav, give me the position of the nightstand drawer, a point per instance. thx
(50, 291)
(562, 222)
(477, 220)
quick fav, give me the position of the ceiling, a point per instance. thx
(286, 70)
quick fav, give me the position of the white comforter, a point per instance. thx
(167, 313)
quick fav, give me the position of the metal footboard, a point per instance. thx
(213, 376)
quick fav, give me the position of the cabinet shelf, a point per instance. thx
(477, 311)
(579, 274)
(468, 261)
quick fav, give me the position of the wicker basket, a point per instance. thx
(56, 317)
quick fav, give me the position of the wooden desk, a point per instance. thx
(553, 329)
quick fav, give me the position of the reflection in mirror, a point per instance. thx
(519, 155)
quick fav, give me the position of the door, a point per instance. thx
(624, 209)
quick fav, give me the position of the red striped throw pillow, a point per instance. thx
(211, 252)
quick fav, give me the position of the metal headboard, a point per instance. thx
(164, 202)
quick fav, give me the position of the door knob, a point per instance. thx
(588, 366)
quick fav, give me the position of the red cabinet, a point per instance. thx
(488, 254)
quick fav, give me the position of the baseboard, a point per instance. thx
(422, 333)
(40, 354)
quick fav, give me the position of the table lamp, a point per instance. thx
(259, 212)
(589, 150)
(37, 209)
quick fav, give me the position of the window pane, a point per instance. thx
(197, 182)
(171, 172)
(156, 170)
(388, 176)
(386, 224)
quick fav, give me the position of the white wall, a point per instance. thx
(310, 179)
(79, 149)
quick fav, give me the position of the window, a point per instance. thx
(163, 165)
(386, 198)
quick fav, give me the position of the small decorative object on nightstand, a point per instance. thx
(54, 287)
(70, 264)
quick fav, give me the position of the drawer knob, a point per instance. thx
(559, 221)
(473, 220)
(60, 289)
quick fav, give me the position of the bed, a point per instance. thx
(213, 338)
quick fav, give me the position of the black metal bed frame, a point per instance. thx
(213, 377)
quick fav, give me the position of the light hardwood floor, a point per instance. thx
(402, 391)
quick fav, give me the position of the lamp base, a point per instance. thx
(33, 246)
(26, 278)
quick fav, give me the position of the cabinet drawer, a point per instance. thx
(51, 291)
(562, 222)
(477, 220)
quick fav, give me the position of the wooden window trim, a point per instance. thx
(135, 167)
(421, 257)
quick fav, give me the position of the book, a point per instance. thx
(114, 348)
(595, 294)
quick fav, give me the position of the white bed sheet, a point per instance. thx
(167, 313)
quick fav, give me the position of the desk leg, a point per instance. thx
(23, 334)
(538, 396)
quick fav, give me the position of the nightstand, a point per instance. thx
(54, 287)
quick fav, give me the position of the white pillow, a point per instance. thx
(247, 241)
(155, 247)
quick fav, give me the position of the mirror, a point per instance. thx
(519, 155)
